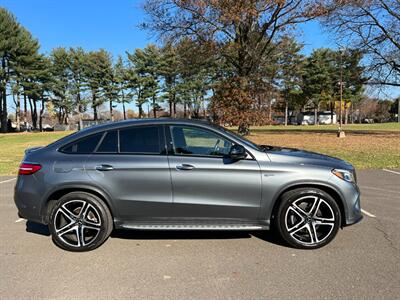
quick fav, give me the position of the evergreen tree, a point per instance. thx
(59, 69)
(77, 57)
(290, 70)
(10, 31)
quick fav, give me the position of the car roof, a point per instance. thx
(131, 122)
(147, 121)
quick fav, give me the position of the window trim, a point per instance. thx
(102, 139)
(161, 141)
(60, 149)
(171, 150)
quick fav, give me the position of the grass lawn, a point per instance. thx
(380, 149)
(13, 145)
(377, 127)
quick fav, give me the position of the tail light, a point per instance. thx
(28, 169)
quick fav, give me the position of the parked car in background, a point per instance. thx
(324, 118)
(171, 174)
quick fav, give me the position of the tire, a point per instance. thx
(80, 222)
(308, 218)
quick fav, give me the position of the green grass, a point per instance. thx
(364, 150)
(13, 145)
(377, 127)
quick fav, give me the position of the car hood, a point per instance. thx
(296, 156)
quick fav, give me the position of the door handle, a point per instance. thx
(104, 168)
(185, 167)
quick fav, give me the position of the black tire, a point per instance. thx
(82, 215)
(303, 225)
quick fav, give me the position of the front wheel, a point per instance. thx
(308, 218)
(80, 222)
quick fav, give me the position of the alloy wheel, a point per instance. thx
(309, 220)
(77, 223)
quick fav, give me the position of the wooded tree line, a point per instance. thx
(236, 61)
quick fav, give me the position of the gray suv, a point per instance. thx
(171, 174)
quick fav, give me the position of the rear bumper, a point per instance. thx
(28, 199)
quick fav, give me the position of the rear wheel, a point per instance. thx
(80, 222)
(308, 218)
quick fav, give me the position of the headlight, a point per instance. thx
(344, 174)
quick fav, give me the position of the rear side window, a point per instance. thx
(83, 146)
(140, 140)
(109, 143)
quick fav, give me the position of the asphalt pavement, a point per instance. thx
(363, 262)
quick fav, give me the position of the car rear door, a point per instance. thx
(207, 184)
(131, 165)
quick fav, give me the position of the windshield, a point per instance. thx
(239, 137)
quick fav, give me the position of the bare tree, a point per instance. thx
(372, 26)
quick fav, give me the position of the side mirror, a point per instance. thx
(237, 152)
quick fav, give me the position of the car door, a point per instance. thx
(207, 184)
(132, 166)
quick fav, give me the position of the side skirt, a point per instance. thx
(194, 225)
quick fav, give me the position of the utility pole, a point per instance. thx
(341, 133)
(398, 110)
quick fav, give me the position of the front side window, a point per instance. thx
(83, 146)
(197, 141)
(143, 139)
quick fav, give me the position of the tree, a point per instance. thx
(77, 57)
(318, 85)
(121, 78)
(169, 71)
(374, 28)
(23, 66)
(9, 35)
(143, 76)
(59, 69)
(97, 64)
(242, 30)
(290, 74)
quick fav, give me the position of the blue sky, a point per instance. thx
(112, 25)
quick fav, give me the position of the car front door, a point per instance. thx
(132, 166)
(207, 184)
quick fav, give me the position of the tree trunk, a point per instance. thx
(111, 112)
(123, 109)
(286, 112)
(94, 106)
(174, 115)
(244, 128)
(154, 107)
(17, 102)
(3, 102)
(346, 115)
(25, 113)
(316, 115)
(332, 108)
(184, 109)
(32, 104)
(41, 116)
(79, 111)
(4, 113)
(140, 111)
(170, 106)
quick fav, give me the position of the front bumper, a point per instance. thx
(354, 215)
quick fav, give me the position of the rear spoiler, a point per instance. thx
(32, 149)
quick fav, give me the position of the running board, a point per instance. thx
(193, 227)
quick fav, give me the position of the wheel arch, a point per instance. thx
(57, 193)
(326, 188)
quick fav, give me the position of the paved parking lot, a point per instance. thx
(362, 262)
